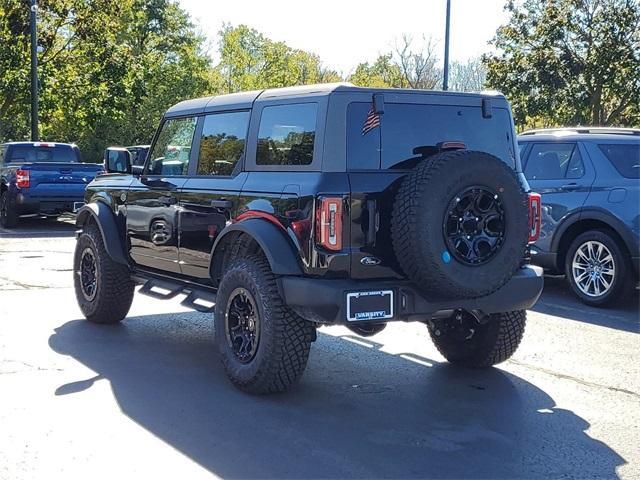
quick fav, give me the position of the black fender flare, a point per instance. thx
(106, 221)
(279, 250)
(601, 215)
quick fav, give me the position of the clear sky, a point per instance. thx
(346, 32)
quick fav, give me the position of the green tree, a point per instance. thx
(384, 72)
(250, 61)
(569, 62)
(108, 69)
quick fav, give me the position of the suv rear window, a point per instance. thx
(27, 153)
(408, 131)
(624, 157)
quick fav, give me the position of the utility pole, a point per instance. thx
(445, 80)
(34, 71)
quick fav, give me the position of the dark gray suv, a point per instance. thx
(589, 179)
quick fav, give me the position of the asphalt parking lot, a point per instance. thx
(149, 397)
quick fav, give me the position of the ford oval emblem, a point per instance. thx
(370, 261)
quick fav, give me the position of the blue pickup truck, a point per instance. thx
(41, 178)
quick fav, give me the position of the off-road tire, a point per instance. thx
(285, 338)
(622, 282)
(8, 215)
(491, 343)
(419, 209)
(114, 287)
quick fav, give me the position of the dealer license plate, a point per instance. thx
(375, 305)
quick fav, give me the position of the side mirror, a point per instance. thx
(117, 160)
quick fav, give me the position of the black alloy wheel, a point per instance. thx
(88, 274)
(474, 225)
(242, 324)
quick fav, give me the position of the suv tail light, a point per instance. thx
(329, 223)
(22, 178)
(535, 216)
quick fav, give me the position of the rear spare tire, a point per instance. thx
(460, 224)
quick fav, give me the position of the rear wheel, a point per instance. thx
(464, 341)
(596, 268)
(264, 345)
(8, 214)
(104, 289)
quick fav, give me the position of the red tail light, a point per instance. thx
(22, 178)
(535, 216)
(329, 223)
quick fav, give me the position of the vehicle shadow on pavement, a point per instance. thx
(358, 412)
(32, 227)
(558, 300)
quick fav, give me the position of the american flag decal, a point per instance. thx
(372, 121)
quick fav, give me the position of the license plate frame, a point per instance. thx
(381, 303)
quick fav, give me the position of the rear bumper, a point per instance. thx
(28, 204)
(324, 301)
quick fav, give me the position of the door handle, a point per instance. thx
(570, 186)
(221, 203)
(168, 201)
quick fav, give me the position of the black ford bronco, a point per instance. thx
(284, 210)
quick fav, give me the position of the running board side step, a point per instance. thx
(198, 299)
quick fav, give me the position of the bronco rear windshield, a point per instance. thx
(406, 133)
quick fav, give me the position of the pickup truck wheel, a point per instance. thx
(8, 215)
(597, 269)
(264, 346)
(104, 289)
(460, 224)
(463, 341)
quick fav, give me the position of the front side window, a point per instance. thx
(222, 142)
(170, 154)
(287, 134)
(624, 157)
(551, 161)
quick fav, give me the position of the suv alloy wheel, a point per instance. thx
(597, 268)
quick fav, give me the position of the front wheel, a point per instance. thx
(264, 345)
(104, 289)
(596, 268)
(464, 341)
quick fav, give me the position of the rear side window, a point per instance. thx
(222, 142)
(27, 153)
(408, 132)
(624, 157)
(553, 161)
(287, 134)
